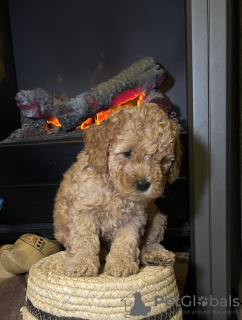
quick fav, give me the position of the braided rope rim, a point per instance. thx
(41, 315)
(51, 292)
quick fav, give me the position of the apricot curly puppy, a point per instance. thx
(107, 196)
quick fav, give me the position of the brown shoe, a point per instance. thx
(27, 250)
(4, 275)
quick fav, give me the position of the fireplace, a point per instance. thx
(67, 48)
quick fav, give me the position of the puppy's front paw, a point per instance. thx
(157, 257)
(81, 268)
(121, 269)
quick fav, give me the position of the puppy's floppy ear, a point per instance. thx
(174, 169)
(97, 140)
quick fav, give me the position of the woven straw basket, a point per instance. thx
(53, 296)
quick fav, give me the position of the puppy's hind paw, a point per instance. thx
(158, 257)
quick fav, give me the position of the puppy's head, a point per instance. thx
(138, 147)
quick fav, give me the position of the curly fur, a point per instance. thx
(100, 200)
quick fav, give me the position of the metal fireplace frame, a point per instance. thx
(213, 148)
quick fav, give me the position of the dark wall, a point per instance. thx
(9, 113)
(68, 47)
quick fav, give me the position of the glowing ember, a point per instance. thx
(100, 116)
(85, 124)
(141, 98)
(53, 120)
(52, 123)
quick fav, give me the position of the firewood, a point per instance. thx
(142, 76)
(36, 104)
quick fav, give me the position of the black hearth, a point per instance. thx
(32, 173)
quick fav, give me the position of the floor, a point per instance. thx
(12, 298)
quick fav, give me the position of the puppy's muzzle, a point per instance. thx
(142, 185)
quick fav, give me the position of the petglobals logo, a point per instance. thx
(135, 306)
(189, 301)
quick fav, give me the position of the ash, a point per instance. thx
(35, 131)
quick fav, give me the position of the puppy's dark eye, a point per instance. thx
(128, 154)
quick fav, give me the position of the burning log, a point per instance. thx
(157, 97)
(35, 104)
(141, 77)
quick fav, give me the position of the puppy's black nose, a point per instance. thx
(142, 185)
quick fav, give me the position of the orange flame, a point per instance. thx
(85, 124)
(53, 120)
(100, 116)
(140, 99)
(52, 123)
